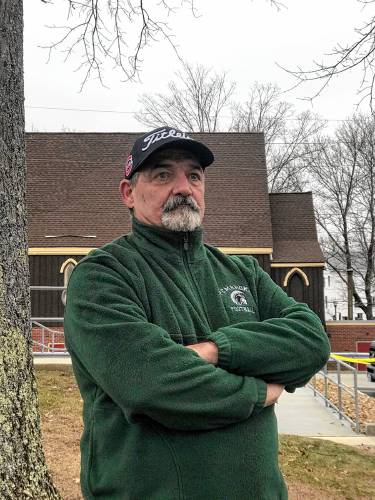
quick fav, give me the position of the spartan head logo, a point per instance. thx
(238, 298)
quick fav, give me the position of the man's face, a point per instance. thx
(169, 194)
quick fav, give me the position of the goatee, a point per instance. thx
(181, 213)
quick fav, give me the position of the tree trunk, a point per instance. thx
(23, 471)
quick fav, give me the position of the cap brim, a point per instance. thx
(201, 151)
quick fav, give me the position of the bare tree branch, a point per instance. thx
(286, 134)
(195, 101)
(344, 58)
(115, 32)
(343, 170)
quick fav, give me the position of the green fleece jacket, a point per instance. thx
(159, 422)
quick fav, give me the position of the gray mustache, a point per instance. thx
(178, 201)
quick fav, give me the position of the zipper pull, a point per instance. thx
(186, 242)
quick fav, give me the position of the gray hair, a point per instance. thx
(133, 181)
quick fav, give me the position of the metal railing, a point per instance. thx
(49, 337)
(47, 288)
(47, 347)
(336, 379)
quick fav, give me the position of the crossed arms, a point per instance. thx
(210, 353)
(148, 375)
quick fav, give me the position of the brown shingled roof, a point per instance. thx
(73, 189)
(293, 228)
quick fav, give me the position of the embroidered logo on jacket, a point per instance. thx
(237, 294)
(238, 297)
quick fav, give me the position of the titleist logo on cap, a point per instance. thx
(163, 134)
(161, 138)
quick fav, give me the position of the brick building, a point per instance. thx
(74, 206)
(350, 336)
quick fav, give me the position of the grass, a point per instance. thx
(58, 391)
(328, 466)
(313, 468)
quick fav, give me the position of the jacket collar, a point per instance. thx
(171, 244)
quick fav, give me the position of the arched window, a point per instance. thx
(295, 288)
(298, 271)
(67, 268)
(295, 281)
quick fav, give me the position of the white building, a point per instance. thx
(336, 298)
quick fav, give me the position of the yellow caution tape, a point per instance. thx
(361, 361)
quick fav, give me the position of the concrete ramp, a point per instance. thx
(303, 414)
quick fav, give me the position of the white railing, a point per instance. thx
(49, 337)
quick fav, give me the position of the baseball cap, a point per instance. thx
(163, 138)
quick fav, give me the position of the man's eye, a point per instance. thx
(163, 176)
(195, 176)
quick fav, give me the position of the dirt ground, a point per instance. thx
(61, 447)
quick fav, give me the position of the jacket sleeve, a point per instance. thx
(287, 346)
(138, 365)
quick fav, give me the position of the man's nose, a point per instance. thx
(182, 185)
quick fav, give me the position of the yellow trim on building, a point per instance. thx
(86, 250)
(299, 264)
(245, 250)
(296, 270)
(68, 261)
(60, 250)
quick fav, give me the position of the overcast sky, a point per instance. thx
(248, 42)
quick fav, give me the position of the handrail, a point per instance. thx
(340, 388)
(34, 322)
(49, 320)
(51, 287)
(51, 349)
(39, 322)
(47, 346)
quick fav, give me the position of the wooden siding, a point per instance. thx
(45, 271)
(264, 261)
(311, 295)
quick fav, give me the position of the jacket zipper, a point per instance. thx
(190, 274)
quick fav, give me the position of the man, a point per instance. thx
(179, 350)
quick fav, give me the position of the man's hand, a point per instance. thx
(206, 350)
(209, 352)
(274, 391)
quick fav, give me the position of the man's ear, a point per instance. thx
(126, 192)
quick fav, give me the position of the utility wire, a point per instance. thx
(89, 110)
(83, 110)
